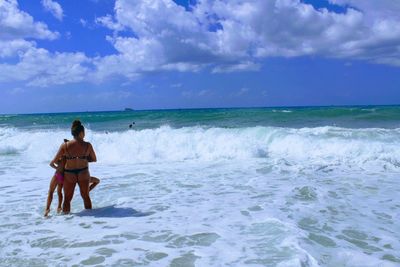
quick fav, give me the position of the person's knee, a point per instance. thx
(67, 197)
(85, 194)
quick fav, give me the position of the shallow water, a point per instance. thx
(208, 196)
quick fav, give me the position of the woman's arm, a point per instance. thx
(92, 154)
(59, 154)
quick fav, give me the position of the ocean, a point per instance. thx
(305, 186)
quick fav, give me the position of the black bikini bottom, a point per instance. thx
(76, 171)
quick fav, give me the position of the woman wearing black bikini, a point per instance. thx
(78, 154)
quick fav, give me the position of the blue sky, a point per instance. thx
(89, 55)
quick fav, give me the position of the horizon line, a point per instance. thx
(172, 109)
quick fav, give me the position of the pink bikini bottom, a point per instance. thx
(59, 177)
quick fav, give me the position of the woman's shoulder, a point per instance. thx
(88, 145)
(63, 146)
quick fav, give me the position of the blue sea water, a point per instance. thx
(309, 186)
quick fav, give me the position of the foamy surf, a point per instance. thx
(304, 148)
(208, 196)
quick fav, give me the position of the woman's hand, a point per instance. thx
(53, 165)
(92, 155)
(59, 154)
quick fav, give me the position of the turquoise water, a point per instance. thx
(209, 187)
(349, 117)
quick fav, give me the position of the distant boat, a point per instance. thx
(128, 109)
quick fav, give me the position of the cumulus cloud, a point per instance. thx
(372, 8)
(10, 48)
(216, 35)
(54, 8)
(17, 24)
(39, 67)
(33, 65)
(241, 66)
(108, 22)
(237, 35)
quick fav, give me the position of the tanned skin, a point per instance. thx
(79, 147)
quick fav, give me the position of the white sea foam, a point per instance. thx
(370, 149)
(259, 196)
(282, 111)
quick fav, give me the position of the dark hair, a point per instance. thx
(77, 128)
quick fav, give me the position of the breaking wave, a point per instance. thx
(320, 147)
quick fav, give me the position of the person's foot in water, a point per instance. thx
(46, 212)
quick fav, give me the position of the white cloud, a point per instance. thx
(217, 35)
(108, 22)
(83, 22)
(372, 8)
(204, 92)
(239, 67)
(39, 67)
(176, 85)
(235, 35)
(35, 66)
(17, 24)
(54, 8)
(14, 47)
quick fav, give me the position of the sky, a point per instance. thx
(97, 55)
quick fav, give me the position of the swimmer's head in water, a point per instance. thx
(77, 129)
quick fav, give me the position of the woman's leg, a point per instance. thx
(83, 182)
(93, 182)
(52, 187)
(69, 187)
(60, 197)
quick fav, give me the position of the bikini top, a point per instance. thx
(69, 157)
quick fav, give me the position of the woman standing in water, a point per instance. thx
(78, 154)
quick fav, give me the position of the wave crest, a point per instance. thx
(320, 148)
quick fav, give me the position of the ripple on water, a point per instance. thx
(390, 257)
(129, 236)
(10, 226)
(93, 260)
(49, 242)
(19, 261)
(322, 240)
(305, 193)
(106, 252)
(85, 225)
(359, 239)
(155, 256)
(89, 244)
(201, 239)
(158, 236)
(267, 239)
(186, 260)
(308, 224)
(255, 208)
(333, 194)
(124, 263)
